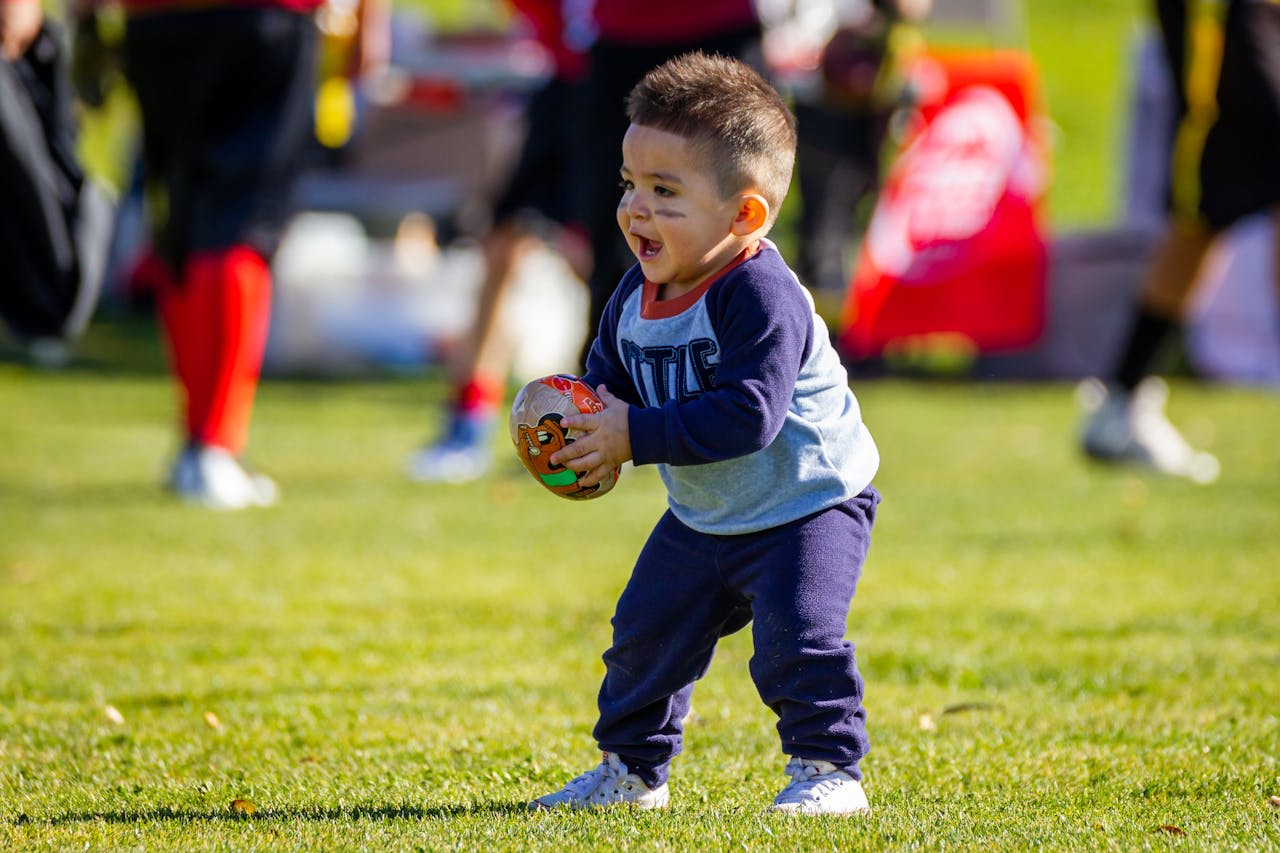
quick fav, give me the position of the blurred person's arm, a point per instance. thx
(909, 11)
(371, 52)
(20, 22)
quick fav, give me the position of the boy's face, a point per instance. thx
(671, 212)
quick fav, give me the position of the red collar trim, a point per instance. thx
(653, 308)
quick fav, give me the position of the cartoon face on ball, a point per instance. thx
(538, 431)
(537, 443)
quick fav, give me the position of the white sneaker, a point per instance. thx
(461, 455)
(449, 463)
(211, 477)
(606, 785)
(1126, 427)
(819, 787)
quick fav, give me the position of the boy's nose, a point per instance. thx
(636, 208)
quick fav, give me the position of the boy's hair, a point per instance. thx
(736, 120)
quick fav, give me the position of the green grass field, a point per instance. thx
(1056, 655)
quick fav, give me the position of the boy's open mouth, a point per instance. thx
(648, 249)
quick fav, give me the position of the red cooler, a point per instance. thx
(955, 249)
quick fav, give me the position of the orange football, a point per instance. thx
(536, 432)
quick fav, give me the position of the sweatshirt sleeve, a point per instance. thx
(604, 363)
(764, 328)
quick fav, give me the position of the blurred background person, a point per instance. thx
(54, 222)
(225, 92)
(632, 37)
(536, 207)
(1225, 59)
(843, 121)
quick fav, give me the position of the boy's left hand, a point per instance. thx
(606, 445)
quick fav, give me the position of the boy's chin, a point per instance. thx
(651, 270)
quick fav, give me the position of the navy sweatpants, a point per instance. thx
(794, 583)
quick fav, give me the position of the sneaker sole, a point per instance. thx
(795, 809)
(642, 805)
(1202, 468)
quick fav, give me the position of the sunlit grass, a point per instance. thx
(1056, 655)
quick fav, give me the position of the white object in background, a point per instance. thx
(321, 247)
(1233, 330)
(547, 316)
(345, 303)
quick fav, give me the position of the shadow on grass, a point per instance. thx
(320, 815)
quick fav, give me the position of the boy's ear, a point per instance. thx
(753, 214)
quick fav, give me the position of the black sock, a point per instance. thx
(1147, 335)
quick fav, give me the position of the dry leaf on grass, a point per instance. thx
(211, 720)
(1170, 829)
(965, 707)
(113, 715)
(243, 807)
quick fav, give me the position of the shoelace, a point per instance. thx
(809, 777)
(605, 775)
(612, 774)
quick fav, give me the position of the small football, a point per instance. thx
(537, 433)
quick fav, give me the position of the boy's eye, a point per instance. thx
(625, 185)
(663, 191)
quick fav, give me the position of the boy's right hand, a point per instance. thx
(606, 445)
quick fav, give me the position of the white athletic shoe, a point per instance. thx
(1132, 427)
(449, 463)
(609, 784)
(819, 787)
(461, 455)
(211, 477)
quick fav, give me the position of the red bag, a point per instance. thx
(954, 247)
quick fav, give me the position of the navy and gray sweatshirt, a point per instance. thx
(736, 395)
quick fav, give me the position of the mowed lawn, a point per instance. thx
(1056, 655)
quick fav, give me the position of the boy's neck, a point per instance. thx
(670, 290)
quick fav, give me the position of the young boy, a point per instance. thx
(713, 366)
